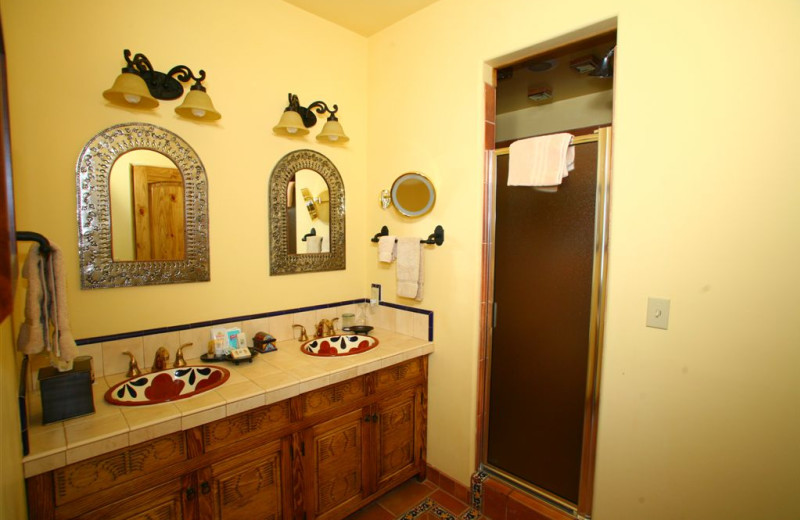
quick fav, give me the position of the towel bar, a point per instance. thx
(437, 237)
(30, 236)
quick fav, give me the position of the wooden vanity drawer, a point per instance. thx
(231, 429)
(334, 396)
(89, 476)
(391, 376)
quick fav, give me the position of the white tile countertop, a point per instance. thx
(270, 378)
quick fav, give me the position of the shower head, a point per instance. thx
(606, 69)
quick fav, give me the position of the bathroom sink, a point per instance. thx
(340, 345)
(166, 385)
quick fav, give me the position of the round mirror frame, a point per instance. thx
(431, 194)
(98, 269)
(280, 260)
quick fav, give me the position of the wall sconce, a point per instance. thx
(297, 119)
(141, 86)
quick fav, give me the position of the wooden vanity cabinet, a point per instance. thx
(320, 455)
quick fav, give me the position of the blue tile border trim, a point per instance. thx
(209, 323)
(418, 311)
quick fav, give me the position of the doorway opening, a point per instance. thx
(544, 277)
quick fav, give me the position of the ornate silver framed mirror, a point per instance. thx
(157, 186)
(306, 213)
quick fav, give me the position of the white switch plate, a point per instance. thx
(375, 294)
(657, 313)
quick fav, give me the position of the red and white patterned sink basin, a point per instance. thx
(166, 385)
(341, 345)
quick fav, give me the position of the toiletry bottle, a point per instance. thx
(219, 345)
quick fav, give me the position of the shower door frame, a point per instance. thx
(597, 317)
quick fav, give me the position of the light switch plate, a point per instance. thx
(658, 313)
(375, 294)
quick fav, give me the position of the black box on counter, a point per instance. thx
(66, 394)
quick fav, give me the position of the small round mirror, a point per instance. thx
(413, 194)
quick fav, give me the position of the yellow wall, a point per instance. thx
(12, 495)
(62, 55)
(696, 422)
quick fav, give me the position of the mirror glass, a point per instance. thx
(308, 213)
(142, 209)
(306, 208)
(147, 217)
(413, 194)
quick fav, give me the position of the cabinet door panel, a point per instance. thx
(396, 438)
(160, 503)
(334, 452)
(248, 486)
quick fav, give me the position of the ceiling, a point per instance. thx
(365, 17)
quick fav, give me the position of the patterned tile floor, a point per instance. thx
(417, 501)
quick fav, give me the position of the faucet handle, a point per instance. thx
(303, 335)
(133, 366)
(179, 360)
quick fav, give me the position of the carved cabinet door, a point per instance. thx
(246, 486)
(164, 502)
(334, 464)
(397, 439)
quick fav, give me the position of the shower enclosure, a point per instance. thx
(545, 335)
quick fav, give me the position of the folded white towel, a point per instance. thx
(540, 161)
(410, 273)
(314, 244)
(387, 248)
(46, 325)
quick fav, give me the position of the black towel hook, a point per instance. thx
(311, 233)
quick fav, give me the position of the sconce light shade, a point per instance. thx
(130, 90)
(291, 124)
(332, 132)
(197, 105)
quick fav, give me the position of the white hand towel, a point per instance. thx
(410, 273)
(387, 248)
(313, 244)
(540, 161)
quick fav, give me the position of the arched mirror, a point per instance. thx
(142, 209)
(413, 194)
(306, 208)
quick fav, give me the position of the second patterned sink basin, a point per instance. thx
(341, 345)
(166, 385)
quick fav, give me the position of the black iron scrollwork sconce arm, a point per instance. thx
(162, 86)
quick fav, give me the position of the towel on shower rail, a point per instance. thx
(410, 273)
(387, 248)
(540, 161)
(46, 325)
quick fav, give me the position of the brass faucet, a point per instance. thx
(133, 366)
(161, 360)
(303, 335)
(326, 328)
(179, 361)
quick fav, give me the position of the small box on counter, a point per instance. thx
(263, 342)
(66, 394)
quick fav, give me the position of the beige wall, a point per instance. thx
(698, 421)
